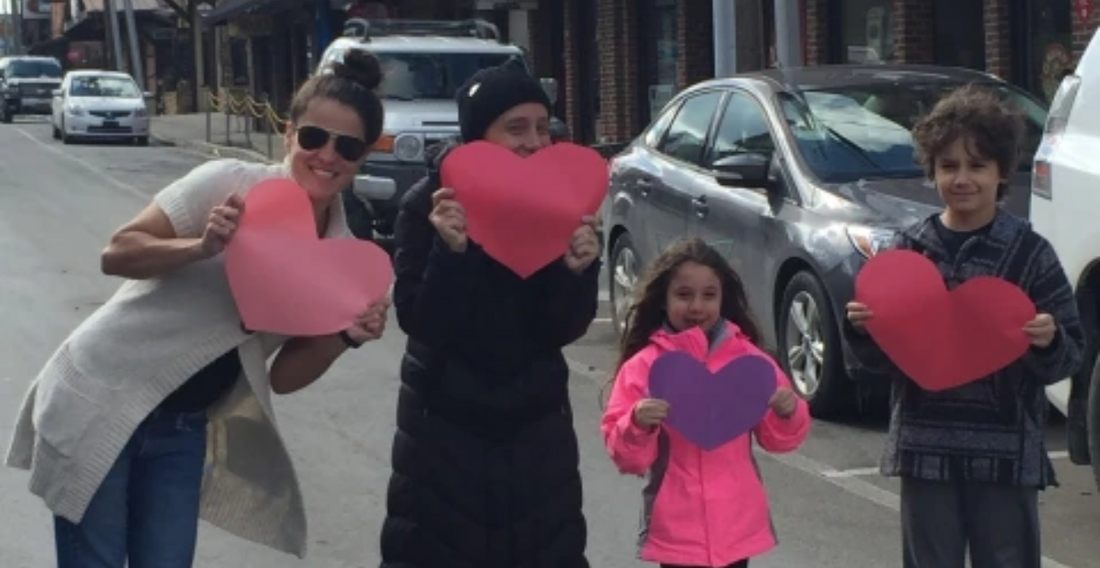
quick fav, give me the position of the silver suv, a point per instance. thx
(27, 84)
(423, 64)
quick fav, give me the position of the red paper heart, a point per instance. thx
(285, 280)
(942, 339)
(523, 211)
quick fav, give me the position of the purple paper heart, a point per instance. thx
(711, 409)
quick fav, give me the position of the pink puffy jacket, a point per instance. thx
(701, 508)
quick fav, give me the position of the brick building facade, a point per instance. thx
(616, 60)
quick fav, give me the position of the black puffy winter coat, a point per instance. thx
(485, 457)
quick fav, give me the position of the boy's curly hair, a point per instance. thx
(977, 112)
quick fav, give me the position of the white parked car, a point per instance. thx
(1064, 202)
(100, 104)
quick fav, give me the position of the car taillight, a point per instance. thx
(1057, 118)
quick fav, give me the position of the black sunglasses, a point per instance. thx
(349, 148)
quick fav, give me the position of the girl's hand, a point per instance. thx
(584, 247)
(649, 413)
(858, 314)
(371, 324)
(449, 219)
(1041, 330)
(784, 402)
(221, 226)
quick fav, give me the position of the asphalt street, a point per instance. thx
(58, 205)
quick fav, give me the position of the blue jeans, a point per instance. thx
(147, 509)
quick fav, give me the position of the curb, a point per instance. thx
(212, 149)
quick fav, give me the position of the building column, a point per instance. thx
(998, 36)
(913, 31)
(817, 32)
(618, 22)
(1084, 28)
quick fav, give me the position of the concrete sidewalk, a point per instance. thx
(192, 131)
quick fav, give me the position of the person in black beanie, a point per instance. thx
(485, 458)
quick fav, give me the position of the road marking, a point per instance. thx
(602, 320)
(854, 472)
(866, 471)
(88, 166)
(858, 487)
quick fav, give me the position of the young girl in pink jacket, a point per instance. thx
(701, 508)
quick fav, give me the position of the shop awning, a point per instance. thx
(227, 9)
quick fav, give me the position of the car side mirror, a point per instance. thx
(744, 170)
(550, 85)
(147, 95)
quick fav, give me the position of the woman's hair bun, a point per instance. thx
(361, 67)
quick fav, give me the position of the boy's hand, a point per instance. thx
(1041, 330)
(784, 402)
(649, 413)
(858, 314)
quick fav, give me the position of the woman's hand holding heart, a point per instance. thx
(584, 246)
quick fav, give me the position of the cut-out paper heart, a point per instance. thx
(942, 339)
(285, 280)
(712, 409)
(522, 211)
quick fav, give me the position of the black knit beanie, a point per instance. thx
(492, 92)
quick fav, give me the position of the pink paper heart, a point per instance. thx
(285, 280)
(938, 338)
(523, 211)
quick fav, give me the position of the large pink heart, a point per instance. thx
(942, 339)
(285, 280)
(523, 211)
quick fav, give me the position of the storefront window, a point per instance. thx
(1051, 47)
(659, 50)
(959, 36)
(867, 31)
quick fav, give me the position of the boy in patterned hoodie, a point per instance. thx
(972, 458)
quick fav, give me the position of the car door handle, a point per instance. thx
(645, 185)
(699, 205)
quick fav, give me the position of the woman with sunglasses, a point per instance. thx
(115, 427)
(485, 458)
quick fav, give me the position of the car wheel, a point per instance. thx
(1094, 421)
(809, 344)
(56, 133)
(623, 278)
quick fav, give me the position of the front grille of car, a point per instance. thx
(109, 113)
(37, 90)
(110, 129)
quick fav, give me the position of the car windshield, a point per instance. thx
(103, 86)
(852, 133)
(410, 76)
(33, 69)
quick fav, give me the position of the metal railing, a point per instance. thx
(247, 113)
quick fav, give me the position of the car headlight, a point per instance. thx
(867, 240)
(140, 112)
(407, 147)
(76, 110)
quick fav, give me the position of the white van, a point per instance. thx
(1065, 199)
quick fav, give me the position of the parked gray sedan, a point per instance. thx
(797, 176)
